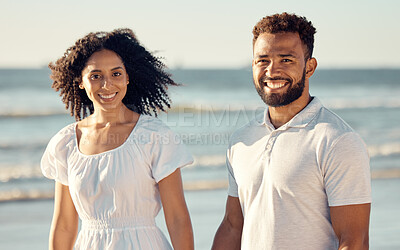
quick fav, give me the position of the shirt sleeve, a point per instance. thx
(169, 154)
(233, 187)
(347, 172)
(54, 160)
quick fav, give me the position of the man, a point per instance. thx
(299, 176)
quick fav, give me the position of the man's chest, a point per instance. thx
(277, 164)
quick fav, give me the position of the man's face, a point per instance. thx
(279, 68)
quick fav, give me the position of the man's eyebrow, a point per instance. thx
(280, 55)
(286, 55)
(262, 56)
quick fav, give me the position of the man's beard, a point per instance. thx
(278, 100)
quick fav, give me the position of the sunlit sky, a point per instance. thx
(200, 34)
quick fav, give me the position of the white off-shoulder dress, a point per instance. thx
(115, 192)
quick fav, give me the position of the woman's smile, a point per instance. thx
(108, 97)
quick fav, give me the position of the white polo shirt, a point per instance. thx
(287, 178)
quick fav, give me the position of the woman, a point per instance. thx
(114, 168)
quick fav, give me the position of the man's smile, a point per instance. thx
(276, 84)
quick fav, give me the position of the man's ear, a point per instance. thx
(311, 65)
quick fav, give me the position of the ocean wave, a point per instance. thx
(19, 173)
(331, 104)
(26, 172)
(387, 149)
(36, 194)
(361, 104)
(21, 146)
(233, 105)
(208, 107)
(22, 173)
(197, 185)
(31, 114)
(214, 107)
(22, 195)
(209, 161)
(189, 108)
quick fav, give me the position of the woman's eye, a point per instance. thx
(117, 74)
(95, 77)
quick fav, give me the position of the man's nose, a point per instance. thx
(272, 69)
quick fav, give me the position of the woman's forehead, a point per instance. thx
(103, 59)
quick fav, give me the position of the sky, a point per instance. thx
(200, 34)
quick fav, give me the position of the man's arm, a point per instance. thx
(351, 225)
(229, 233)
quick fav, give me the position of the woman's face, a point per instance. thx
(105, 80)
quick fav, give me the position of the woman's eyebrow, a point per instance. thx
(119, 67)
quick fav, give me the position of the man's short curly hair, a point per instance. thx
(147, 91)
(287, 23)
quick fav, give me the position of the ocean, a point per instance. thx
(206, 109)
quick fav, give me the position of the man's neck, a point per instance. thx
(281, 115)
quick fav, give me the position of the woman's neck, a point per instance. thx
(121, 115)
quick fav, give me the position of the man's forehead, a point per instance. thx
(285, 42)
(282, 38)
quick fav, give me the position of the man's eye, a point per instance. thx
(286, 60)
(262, 61)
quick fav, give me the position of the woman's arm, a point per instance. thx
(176, 213)
(64, 226)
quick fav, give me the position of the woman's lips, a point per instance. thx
(108, 97)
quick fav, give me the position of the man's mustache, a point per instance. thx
(265, 78)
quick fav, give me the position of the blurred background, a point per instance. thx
(207, 46)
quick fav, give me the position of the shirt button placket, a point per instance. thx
(268, 147)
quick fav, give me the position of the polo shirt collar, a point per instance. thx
(302, 119)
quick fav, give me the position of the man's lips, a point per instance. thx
(275, 83)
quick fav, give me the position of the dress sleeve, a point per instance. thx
(54, 160)
(169, 153)
(347, 172)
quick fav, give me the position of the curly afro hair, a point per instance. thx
(147, 92)
(287, 23)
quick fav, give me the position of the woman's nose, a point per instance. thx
(107, 82)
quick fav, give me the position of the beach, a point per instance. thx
(25, 224)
